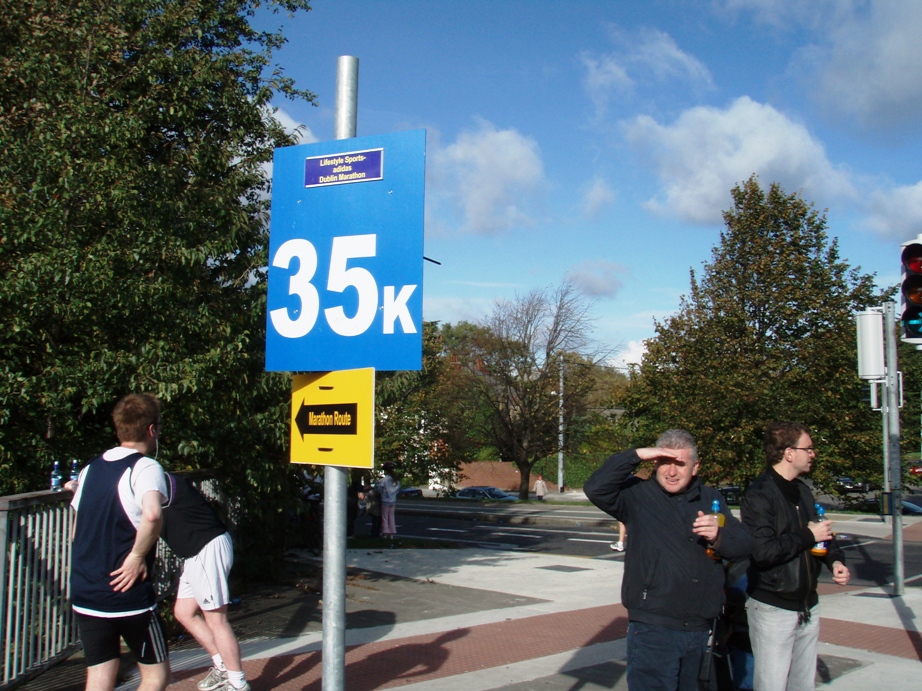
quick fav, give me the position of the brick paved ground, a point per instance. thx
(386, 664)
(393, 663)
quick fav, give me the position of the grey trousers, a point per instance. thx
(784, 647)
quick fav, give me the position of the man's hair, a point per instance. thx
(678, 439)
(780, 436)
(133, 414)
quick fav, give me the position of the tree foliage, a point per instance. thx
(510, 373)
(133, 228)
(415, 424)
(766, 334)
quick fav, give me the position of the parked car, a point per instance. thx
(916, 469)
(484, 493)
(406, 492)
(911, 508)
(731, 494)
(853, 486)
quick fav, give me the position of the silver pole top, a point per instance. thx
(347, 96)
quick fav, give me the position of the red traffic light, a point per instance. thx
(912, 258)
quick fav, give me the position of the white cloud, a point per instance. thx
(644, 55)
(492, 178)
(597, 195)
(604, 75)
(658, 52)
(631, 354)
(869, 65)
(706, 151)
(788, 14)
(897, 212)
(598, 278)
(292, 126)
(452, 310)
(864, 60)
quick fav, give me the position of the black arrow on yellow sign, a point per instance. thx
(328, 418)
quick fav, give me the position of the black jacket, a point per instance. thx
(669, 580)
(782, 572)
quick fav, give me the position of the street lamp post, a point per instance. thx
(560, 433)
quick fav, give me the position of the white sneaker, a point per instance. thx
(215, 680)
(617, 546)
(230, 687)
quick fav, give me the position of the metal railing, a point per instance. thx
(35, 613)
(38, 626)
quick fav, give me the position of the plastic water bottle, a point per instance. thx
(819, 549)
(721, 521)
(74, 470)
(715, 510)
(56, 477)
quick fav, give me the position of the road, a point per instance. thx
(586, 532)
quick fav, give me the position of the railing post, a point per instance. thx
(4, 566)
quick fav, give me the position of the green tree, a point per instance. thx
(415, 425)
(766, 334)
(134, 138)
(510, 371)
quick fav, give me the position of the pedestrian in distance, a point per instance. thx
(673, 584)
(540, 488)
(388, 487)
(354, 492)
(373, 509)
(622, 534)
(792, 542)
(118, 501)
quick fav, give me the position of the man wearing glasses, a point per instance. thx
(788, 553)
(118, 502)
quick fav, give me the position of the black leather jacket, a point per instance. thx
(782, 571)
(669, 580)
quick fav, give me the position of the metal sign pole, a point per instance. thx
(334, 483)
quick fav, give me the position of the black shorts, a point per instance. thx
(143, 634)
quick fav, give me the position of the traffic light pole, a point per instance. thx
(893, 439)
(877, 364)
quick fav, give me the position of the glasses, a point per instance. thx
(808, 449)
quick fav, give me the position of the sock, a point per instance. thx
(218, 662)
(237, 679)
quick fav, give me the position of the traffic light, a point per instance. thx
(911, 292)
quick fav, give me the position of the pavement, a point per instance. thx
(478, 618)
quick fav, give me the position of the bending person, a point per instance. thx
(193, 531)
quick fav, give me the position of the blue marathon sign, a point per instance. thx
(346, 255)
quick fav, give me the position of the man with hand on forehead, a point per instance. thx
(673, 585)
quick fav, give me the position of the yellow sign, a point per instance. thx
(333, 418)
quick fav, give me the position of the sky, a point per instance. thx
(598, 141)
